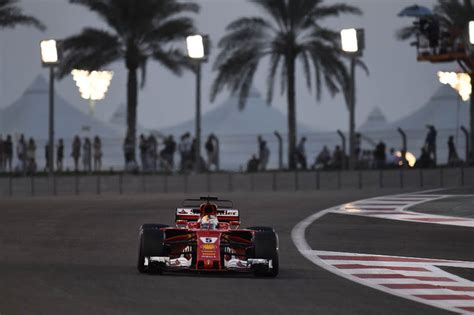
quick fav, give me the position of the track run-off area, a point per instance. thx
(77, 255)
(415, 278)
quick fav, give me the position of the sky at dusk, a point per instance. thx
(397, 83)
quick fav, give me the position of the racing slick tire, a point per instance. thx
(151, 244)
(266, 247)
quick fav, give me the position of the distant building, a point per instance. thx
(375, 121)
(29, 115)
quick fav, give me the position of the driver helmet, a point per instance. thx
(209, 222)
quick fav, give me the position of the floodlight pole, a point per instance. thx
(197, 148)
(352, 156)
(51, 122)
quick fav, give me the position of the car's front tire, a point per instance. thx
(151, 245)
(266, 247)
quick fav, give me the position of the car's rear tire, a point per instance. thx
(151, 245)
(266, 247)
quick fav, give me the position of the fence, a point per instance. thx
(121, 184)
(236, 150)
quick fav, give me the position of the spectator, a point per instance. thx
(424, 161)
(2, 154)
(143, 147)
(253, 164)
(21, 154)
(264, 154)
(128, 148)
(212, 153)
(380, 155)
(323, 159)
(453, 158)
(76, 152)
(185, 151)
(152, 153)
(337, 158)
(46, 156)
(97, 154)
(167, 154)
(87, 155)
(9, 153)
(430, 142)
(60, 155)
(301, 154)
(31, 156)
(357, 146)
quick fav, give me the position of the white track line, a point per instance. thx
(407, 277)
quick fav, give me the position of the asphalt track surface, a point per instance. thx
(78, 256)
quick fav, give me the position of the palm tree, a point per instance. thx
(454, 17)
(11, 15)
(290, 30)
(139, 31)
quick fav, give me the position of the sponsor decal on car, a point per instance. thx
(208, 247)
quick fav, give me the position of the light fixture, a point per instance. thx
(471, 32)
(349, 40)
(461, 82)
(49, 52)
(195, 45)
(411, 159)
(93, 85)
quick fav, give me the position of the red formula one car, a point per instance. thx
(208, 238)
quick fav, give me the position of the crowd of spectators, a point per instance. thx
(157, 153)
(26, 155)
(378, 157)
(154, 159)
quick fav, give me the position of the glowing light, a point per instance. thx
(92, 85)
(195, 45)
(471, 32)
(349, 40)
(461, 82)
(49, 52)
(411, 159)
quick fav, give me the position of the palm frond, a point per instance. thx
(274, 63)
(11, 16)
(92, 49)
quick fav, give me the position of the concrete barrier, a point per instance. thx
(230, 182)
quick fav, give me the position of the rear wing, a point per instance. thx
(195, 203)
(192, 214)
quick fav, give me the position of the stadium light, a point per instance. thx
(195, 45)
(50, 58)
(49, 52)
(198, 52)
(461, 82)
(349, 40)
(471, 32)
(353, 44)
(93, 85)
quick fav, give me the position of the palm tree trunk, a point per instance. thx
(290, 64)
(132, 102)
